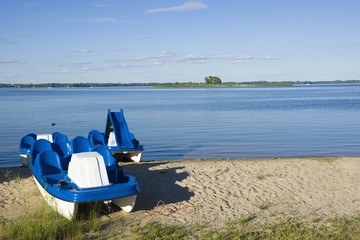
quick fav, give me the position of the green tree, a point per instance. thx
(212, 80)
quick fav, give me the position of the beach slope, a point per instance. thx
(219, 190)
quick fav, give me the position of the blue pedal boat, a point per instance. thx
(117, 138)
(70, 173)
(28, 140)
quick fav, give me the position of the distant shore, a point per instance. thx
(216, 191)
(174, 84)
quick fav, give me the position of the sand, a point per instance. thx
(216, 191)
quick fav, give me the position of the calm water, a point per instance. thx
(315, 120)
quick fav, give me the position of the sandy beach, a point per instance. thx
(216, 191)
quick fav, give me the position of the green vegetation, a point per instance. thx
(246, 228)
(212, 80)
(42, 224)
(6, 174)
(218, 85)
(71, 85)
(47, 224)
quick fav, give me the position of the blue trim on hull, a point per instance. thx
(71, 193)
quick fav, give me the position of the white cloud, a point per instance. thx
(8, 61)
(271, 58)
(245, 57)
(152, 64)
(102, 5)
(187, 6)
(144, 37)
(156, 58)
(84, 50)
(103, 20)
(166, 57)
(192, 58)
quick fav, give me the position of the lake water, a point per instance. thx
(311, 120)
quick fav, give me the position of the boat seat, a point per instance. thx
(38, 147)
(50, 166)
(27, 141)
(112, 140)
(87, 170)
(48, 137)
(81, 144)
(116, 173)
(108, 158)
(59, 137)
(64, 150)
(96, 138)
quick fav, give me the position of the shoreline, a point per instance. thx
(216, 191)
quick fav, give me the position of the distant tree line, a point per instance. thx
(210, 81)
(67, 85)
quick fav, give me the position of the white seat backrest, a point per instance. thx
(112, 140)
(87, 169)
(45, 136)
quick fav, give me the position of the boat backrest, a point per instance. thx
(112, 140)
(48, 137)
(38, 147)
(27, 141)
(115, 172)
(49, 163)
(109, 160)
(64, 150)
(59, 137)
(87, 169)
(96, 138)
(80, 144)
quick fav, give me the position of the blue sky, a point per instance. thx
(127, 41)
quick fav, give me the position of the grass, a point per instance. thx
(246, 229)
(7, 174)
(45, 223)
(260, 176)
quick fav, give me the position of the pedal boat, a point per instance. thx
(71, 173)
(118, 139)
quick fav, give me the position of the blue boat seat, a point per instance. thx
(50, 165)
(116, 173)
(109, 160)
(64, 150)
(38, 147)
(27, 141)
(81, 144)
(96, 138)
(59, 137)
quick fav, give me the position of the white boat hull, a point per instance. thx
(134, 156)
(70, 209)
(64, 208)
(126, 203)
(25, 159)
